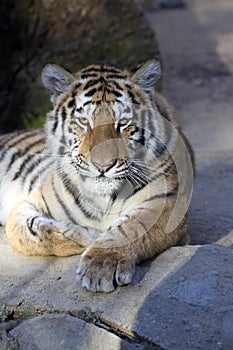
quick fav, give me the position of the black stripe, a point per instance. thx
(87, 103)
(98, 102)
(19, 136)
(37, 158)
(127, 110)
(22, 166)
(114, 197)
(132, 130)
(150, 119)
(160, 148)
(91, 92)
(71, 188)
(88, 75)
(61, 150)
(142, 136)
(29, 147)
(8, 137)
(164, 172)
(114, 92)
(18, 140)
(73, 122)
(79, 109)
(12, 160)
(63, 114)
(91, 69)
(116, 76)
(101, 69)
(71, 103)
(23, 137)
(122, 231)
(74, 192)
(101, 80)
(77, 85)
(143, 225)
(63, 140)
(54, 125)
(66, 211)
(164, 195)
(143, 115)
(113, 82)
(46, 205)
(157, 176)
(29, 170)
(55, 120)
(132, 97)
(149, 180)
(30, 222)
(36, 177)
(163, 112)
(90, 83)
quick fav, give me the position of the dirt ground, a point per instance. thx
(196, 45)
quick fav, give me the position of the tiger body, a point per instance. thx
(102, 178)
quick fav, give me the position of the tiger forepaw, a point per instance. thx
(102, 271)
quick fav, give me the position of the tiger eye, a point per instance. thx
(84, 121)
(123, 121)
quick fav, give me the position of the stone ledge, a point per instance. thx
(185, 291)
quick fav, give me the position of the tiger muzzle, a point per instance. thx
(108, 148)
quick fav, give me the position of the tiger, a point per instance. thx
(109, 177)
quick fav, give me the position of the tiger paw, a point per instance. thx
(101, 271)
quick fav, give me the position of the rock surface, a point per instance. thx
(183, 299)
(186, 292)
(63, 331)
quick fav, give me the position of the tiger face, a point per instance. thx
(102, 151)
(104, 122)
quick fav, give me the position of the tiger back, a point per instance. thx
(110, 177)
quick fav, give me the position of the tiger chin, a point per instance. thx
(109, 177)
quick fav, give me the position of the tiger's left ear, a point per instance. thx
(147, 75)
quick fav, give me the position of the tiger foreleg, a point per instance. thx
(110, 261)
(31, 232)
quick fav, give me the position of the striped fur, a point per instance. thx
(110, 177)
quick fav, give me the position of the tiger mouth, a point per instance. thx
(102, 178)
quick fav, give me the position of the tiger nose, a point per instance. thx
(104, 166)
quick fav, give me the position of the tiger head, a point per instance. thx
(104, 121)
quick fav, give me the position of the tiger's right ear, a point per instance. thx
(147, 75)
(56, 80)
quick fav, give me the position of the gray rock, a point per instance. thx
(197, 290)
(228, 330)
(179, 299)
(63, 332)
(226, 240)
(7, 342)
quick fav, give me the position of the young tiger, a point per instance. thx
(110, 176)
